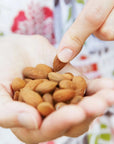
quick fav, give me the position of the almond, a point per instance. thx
(76, 100)
(79, 91)
(17, 84)
(33, 84)
(27, 80)
(57, 64)
(66, 84)
(80, 84)
(57, 88)
(45, 108)
(30, 97)
(16, 95)
(63, 95)
(47, 97)
(53, 76)
(68, 76)
(31, 73)
(20, 98)
(46, 87)
(43, 71)
(59, 105)
(42, 68)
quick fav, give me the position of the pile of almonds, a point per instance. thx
(47, 90)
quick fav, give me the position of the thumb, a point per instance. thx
(90, 19)
(16, 114)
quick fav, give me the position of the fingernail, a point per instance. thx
(27, 120)
(65, 55)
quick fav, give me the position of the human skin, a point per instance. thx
(97, 17)
(17, 52)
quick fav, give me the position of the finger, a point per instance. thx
(106, 31)
(69, 116)
(93, 106)
(96, 85)
(60, 121)
(79, 129)
(98, 103)
(53, 126)
(15, 114)
(90, 19)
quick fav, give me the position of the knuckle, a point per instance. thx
(76, 39)
(107, 33)
(95, 16)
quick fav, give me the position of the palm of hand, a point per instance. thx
(17, 53)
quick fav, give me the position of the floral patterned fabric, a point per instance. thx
(51, 18)
(32, 17)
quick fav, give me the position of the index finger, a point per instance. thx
(90, 19)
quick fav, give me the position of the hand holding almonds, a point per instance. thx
(47, 90)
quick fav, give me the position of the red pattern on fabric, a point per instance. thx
(94, 67)
(83, 57)
(47, 12)
(20, 17)
(37, 20)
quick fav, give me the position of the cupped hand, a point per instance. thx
(97, 17)
(25, 122)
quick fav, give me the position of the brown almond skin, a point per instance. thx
(45, 108)
(33, 84)
(63, 95)
(59, 105)
(57, 77)
(16, 95)
(57, 88)
(43, 68)
(46, 87)
(27, 80)
(47, 97)
(80, 85)
(80, 82)
(76, 100)
(57, 64)
(30, 97)
(39, 72)
(68, 76)
(67, 84)
(43, 71)
(20, 98)
(79, 91)
(17, 84)
(31, 73)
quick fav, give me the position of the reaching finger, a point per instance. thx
(106, 31)
(15, 114)
(91, 18)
